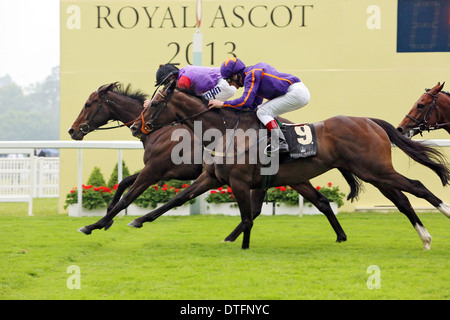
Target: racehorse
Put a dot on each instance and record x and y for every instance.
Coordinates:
(430, 112)
(361, 146)
(113, 102)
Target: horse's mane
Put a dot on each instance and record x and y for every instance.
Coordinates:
(444, 92)
(205, 101)
(192, 94)
(127, 91)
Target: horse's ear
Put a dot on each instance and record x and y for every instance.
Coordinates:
(104, 89)
(441, 86)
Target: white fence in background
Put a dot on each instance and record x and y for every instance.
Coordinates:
(16, 179)
(48, 176)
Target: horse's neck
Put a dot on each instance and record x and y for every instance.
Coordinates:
(125, 108)
(227, 118)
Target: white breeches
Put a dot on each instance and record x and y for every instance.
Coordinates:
(295, 98)
(222, 91)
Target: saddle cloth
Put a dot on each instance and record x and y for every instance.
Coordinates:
(301, 139)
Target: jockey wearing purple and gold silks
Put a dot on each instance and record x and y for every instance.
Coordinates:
(285, 92)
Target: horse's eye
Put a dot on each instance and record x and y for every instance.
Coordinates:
(420, 106)
(87, 105)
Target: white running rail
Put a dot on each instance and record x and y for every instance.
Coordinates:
(29, 146)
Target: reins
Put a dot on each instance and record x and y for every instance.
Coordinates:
(148, 127)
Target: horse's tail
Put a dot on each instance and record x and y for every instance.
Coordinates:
(354, 182)
(418, 151)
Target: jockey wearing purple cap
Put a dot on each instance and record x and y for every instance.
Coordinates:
(285, 92)
(204, 81)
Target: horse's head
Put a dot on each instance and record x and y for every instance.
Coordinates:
(158, 113)
(93, 115)
(423, 114)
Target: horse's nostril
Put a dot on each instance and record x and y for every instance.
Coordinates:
(71, 131)
(400, 129)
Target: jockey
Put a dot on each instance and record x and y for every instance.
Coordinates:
(285, 93)
(202, 81)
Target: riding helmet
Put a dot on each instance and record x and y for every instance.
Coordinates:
(230, 67)
(164, 72)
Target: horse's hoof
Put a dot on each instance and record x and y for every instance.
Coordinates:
(108, 225)
(135, 224)
(85, 230)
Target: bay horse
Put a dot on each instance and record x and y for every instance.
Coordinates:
(430, 112)
(115, 102)
(361, 146)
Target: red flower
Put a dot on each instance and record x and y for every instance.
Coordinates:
(213, 191)
(229, 190)
(220, 188)
(330, 184)
(223, 192)
(116, 186)
(185, 185)
(318, 188)
(164, 188)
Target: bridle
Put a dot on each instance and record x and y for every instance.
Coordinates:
(149, 127)
(85, 127)
(423, 124)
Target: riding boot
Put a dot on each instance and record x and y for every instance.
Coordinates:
(282, 145)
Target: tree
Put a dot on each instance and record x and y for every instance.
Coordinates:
(30, 116)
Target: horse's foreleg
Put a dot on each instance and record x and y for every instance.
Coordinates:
(142, 182)
(123, 185)
(202, 184)
(323, 204)
(257, 199)
(242, 193)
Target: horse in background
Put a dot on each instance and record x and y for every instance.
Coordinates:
(430, 112)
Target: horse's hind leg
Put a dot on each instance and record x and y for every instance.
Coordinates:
(416, 188)
(403, 204)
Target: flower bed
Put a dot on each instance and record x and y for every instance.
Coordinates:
(93, 197)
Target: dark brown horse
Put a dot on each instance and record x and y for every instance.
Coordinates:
(114, 102)
(358, 145)
(430, 112)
